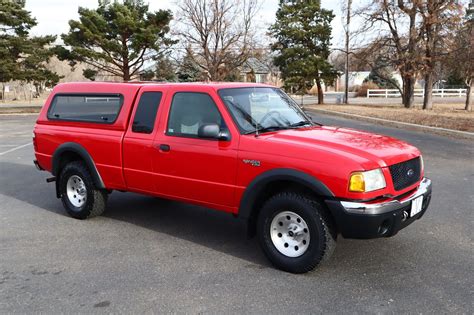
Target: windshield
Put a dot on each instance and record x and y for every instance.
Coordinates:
(262, 108)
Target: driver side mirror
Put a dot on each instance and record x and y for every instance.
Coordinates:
(213, 131)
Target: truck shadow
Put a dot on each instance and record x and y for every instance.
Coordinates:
(214, 229)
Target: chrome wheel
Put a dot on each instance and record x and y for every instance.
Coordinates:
(290, 234)
(76, 191)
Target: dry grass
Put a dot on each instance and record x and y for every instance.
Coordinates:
(450, 116)
(20, 110)
(34, 101)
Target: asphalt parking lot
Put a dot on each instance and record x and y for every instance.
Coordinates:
(151, 255)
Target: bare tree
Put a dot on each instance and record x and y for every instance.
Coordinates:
(220, 33)
(470, 56)
(438, 19)
(460, 60)
(378, 57)
(396, 22)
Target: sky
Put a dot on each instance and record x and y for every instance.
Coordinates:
(53, 15)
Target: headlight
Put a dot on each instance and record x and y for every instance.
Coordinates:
(367, 181)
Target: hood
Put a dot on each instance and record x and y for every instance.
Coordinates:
(370, 150)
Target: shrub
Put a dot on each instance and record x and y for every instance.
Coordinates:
(362, 92)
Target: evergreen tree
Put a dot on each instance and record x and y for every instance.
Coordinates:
(117, 38)
(382, 75)
(189, 71)
(22, 57)
(165, 70)
(303, 33)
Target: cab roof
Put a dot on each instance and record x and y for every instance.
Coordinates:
(214, 85)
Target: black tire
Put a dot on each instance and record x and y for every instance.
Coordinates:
(96, 200)
(322, 232)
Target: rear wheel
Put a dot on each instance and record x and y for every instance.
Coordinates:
(79, 196)
(295, 232)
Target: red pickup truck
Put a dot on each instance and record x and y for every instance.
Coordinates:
(247, 149)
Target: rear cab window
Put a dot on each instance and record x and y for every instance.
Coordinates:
(146, 112)
(95, 108)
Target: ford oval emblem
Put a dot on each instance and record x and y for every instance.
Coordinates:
(410, 172)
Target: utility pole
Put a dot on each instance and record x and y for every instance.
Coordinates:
(346, 70)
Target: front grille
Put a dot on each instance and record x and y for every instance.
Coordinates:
(405, 173)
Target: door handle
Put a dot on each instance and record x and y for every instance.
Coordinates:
(164, 147)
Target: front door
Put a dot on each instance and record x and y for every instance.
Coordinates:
(192, 168)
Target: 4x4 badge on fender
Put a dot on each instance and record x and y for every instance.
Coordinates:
(251, 162)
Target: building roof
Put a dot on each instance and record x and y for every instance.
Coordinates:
(259, 66)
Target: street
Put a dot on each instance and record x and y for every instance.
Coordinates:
(156, 256)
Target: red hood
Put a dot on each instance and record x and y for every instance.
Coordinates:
(365, 147)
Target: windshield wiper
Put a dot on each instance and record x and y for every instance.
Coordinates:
(257, 131)
(244, 114)
(280, 127)
(301, 123)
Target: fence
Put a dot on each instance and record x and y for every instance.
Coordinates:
(386, 93)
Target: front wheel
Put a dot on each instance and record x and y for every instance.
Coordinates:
(79, 196)
(295, 232)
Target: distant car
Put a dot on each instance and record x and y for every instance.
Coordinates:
(246, 149)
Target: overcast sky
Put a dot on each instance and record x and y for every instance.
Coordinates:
(53, 15)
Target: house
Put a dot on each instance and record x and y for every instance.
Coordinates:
(261, 70)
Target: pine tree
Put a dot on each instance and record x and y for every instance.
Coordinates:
(117, 38)
(165, 70)
(22, 57)
(188, 70)
(303, 33)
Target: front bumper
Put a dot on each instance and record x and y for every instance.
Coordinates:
(379, 219)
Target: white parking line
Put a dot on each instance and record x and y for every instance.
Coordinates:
(14, 149)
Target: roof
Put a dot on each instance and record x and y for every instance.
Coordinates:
(259, 66)
(215, 85)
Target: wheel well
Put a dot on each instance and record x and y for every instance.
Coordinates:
(275, 187)
(66, 158)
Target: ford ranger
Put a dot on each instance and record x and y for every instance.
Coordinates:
(246, 149)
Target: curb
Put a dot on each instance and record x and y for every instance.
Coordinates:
(399, 123)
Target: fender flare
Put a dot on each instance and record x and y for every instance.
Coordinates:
(86, 157)
(261, 181)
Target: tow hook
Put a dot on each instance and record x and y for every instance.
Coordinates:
(51, 179)
(404, 215)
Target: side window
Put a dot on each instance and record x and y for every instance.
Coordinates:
(98, 108)
(145, 114)
(189, 111)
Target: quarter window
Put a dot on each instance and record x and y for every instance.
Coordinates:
(146, 112)
(189, 111)
(99, 108)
